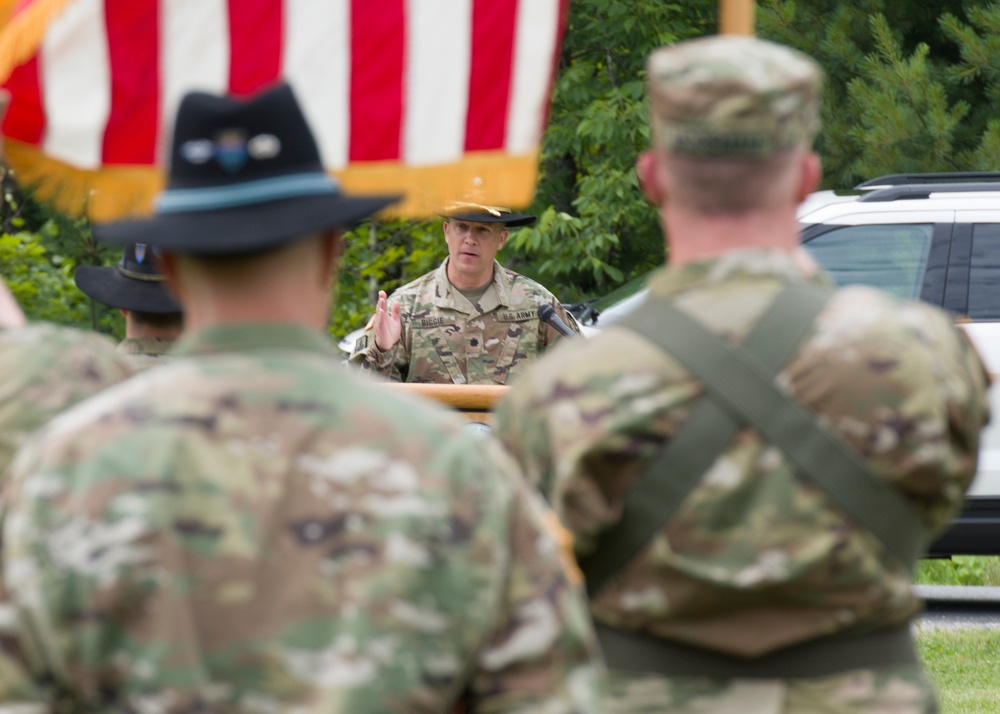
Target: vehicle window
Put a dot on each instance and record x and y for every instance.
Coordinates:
(890, 257)
(984, 272)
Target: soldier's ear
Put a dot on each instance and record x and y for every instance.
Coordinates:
(810, 174)
(503, 238)
(646, 171)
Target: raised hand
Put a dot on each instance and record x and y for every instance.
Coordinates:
(387, 326)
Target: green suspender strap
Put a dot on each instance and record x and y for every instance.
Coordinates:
(740, 391)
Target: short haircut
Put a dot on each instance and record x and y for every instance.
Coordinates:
(728, 186)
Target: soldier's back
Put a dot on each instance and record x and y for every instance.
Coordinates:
(756, 558)
(263, 531)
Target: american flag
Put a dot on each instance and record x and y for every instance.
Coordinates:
(422, 96)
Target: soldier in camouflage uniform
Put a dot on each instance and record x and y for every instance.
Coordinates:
(471, 321)
(762, 585)
(251, 528)
(153, 319)
(45, 369)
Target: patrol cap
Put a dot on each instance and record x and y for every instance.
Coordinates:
(732, 96)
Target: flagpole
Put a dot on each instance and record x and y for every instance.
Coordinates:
(736, 17)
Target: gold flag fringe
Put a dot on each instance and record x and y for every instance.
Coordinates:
(22, 34)
(118, 192)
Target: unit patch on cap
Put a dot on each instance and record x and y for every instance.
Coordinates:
(231, 148)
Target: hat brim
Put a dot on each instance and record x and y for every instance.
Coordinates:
(244, 229)
(511, 220)
(108, 286)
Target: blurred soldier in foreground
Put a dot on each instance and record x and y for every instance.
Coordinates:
(471, 321)
(153, 319)
(752, 462)
(44, 369)
(250, 527)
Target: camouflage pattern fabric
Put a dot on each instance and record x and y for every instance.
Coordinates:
(46, 368)
(447, 339)
(899, 690)
(251, 528)
(756, 559)
(145, 351)
(729, 96)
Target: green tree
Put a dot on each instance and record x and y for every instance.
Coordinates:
(911, 86)
(39, 250)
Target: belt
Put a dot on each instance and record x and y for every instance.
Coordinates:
(639, 652)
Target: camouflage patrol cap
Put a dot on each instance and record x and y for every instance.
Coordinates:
(732, 96)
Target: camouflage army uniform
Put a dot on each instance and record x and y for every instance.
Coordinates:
(250, 529)
(756, 559)
(45, 369)
(145, 351)
(445, 338)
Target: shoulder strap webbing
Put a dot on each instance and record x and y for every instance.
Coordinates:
(677, 468)
(746, 391)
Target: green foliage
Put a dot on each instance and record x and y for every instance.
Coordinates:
(39, 250)
(959, 570)
(911, 86)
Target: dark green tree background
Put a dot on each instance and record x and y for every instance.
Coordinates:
(912, 85)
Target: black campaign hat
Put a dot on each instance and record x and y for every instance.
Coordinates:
(133, 284)
(479, 213)
(245, 175)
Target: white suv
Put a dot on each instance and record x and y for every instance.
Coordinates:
(933, 237)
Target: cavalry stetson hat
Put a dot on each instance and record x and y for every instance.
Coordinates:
(479, 213)
(245, 175)
(133, 284)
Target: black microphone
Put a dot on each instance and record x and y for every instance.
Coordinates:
(547, 313)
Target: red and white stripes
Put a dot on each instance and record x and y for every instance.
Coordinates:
(419, 82)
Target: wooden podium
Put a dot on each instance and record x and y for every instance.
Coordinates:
(474, 401)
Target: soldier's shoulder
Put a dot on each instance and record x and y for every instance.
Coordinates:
(912, 343)
(54, 353)
(859, 313)
(49, 336)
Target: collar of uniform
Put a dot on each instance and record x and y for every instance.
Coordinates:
(253, 336)
(449, 297)
(145, 346)
(750, 263)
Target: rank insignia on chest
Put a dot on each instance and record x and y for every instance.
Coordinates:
(516, 315)
(426, 322)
